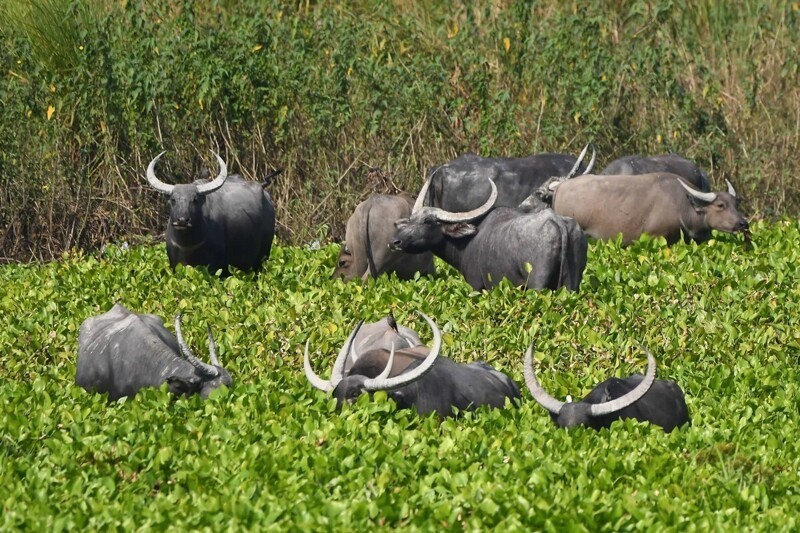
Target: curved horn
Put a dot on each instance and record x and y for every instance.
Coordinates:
(407, 378)
(341, 360)
(447, 216)
(624, 401)
(574, 170)
(731, 190)
(707, 197)
(319, 383)
(211, 186)
(204, 368)
(388, 369)
(591, 163)
(539, 394)
(420, 201)
(156, 183)
(212, 348)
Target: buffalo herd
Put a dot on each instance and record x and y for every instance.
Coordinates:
(523, 219)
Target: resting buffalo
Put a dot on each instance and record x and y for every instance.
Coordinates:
(674, 164)
(415, 377)
(120, 352)
(227, 222)
(658, 204)
(381, 335)
(461, 185)
(366, 252)
(643, 398)
(535, 250)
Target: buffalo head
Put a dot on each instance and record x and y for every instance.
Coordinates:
(208, 377)
(718, 208)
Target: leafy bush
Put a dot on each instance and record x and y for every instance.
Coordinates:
(272, 452)
(351, 96)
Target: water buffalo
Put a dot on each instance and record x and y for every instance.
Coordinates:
(381, 335)
(672, 163)
(535, 250)
(225, 222)
(416, 377)
(366, 252)
(461, 185)
(120, 352)
(659, 204)
(644, 398)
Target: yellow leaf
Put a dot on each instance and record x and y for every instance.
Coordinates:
(453, 32)
(50, 111)
(257, 47)
(506, 43)
(52, 88)
(658, 138)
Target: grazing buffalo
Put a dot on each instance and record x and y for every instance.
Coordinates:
(659, 204)
(674, 164)
(120, 352)
(535, 250)
(461, 185)
(225, 222)
(416, 377)
(644, 398)
(366, 252)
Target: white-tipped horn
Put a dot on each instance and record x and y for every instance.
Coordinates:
(624, 401)
(591, 163)
(204, 368)
(388, 370)
(449, 217)
(212, 347)
(420, 201)
(731, 190)
(337, 374)
(319, 383)
(706, 197)
(218, 181)
(539, 394)
(574, 170)
(411, 376)
(156, 183)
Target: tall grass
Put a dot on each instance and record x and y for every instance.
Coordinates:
(350, 97)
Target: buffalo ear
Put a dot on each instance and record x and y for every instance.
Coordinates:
(459, 230)
(183, 386)
(698, 204)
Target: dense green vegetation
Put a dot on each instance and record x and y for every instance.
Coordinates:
(721, 319)
(354, 96)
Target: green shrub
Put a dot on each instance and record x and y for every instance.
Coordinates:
(272, 452)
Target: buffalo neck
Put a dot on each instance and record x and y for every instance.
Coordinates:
(453, 251)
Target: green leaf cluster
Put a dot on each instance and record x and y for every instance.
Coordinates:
(272, 452)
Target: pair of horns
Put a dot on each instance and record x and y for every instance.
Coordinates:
(204, 368)
(450, 217)
(382, 381)
(707, 197)
(204, 188)
(574, 171)
(554, 406)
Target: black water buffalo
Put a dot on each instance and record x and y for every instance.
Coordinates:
(366, 252)
(461, 185)
(227, 222)
(121, 352)
(644, 398)
(535, 250)
(658, 204)
(416, 377)
(672, 163)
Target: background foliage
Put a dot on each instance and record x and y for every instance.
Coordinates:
(351, 97)
(721, 319)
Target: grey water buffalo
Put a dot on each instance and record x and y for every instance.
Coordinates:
(658, 204)
(121, 352)
(672, 163)
(381, 335)
(416, 377)
(643, 398)
(534, 250)
(366, 253)
(222, 223)
(461, 184)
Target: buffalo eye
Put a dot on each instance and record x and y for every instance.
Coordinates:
(720, 205)
(172, 201)
(342, 263)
